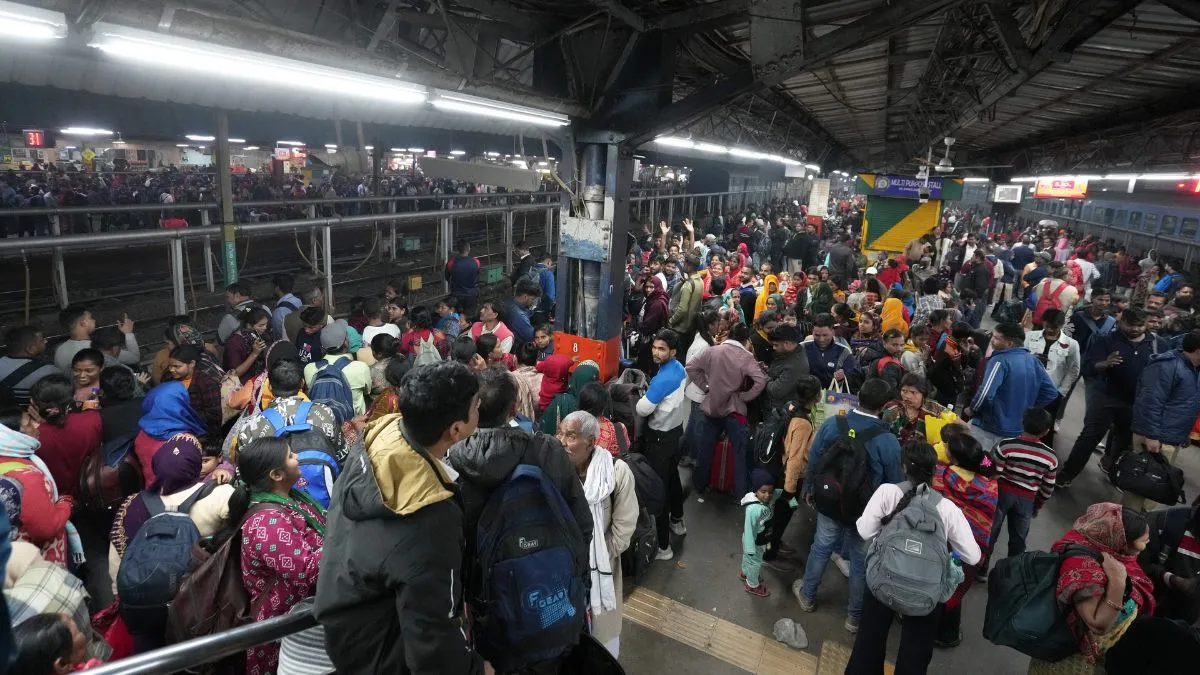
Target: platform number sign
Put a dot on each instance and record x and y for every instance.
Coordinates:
(35, 138)
(575, 347)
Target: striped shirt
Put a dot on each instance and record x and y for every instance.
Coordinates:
(1026, 467)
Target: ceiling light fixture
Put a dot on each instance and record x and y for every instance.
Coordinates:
(198, 137)
(297, 144)
(21, 22)
(236, 140)
(370, 147)
(331, 146)
(458, 153)
(181, 145)
(250, 147)
(673, 142)
(209, 60)
(416, 149)
(711, 147)
(493, 154)
(483, 107)
(976, 179)
(84, 131)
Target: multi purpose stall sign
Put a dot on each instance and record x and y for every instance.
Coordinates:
(907, 187)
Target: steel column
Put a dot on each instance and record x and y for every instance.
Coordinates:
(60, 265)
(508, 240)
(205, 221)
(670, 210)
(225, 191)
(392, 245)
(177, 276)
(327, 243)
(314, 258)
(446, 233)
(549, 233)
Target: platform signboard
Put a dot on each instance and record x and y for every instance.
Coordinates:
(818, 198)
(908, 187)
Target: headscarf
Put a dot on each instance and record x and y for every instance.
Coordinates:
(893, 316)
(770, 287)
(822, 298)
(176, 465)
(1101, 529)
(17, 445)
(167, 411)
(568, 402)
(185, 334)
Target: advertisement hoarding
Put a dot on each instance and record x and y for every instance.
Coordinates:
(1061, 188)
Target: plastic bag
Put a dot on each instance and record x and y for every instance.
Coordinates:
(791, 634)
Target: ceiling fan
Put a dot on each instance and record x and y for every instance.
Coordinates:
(945, 165)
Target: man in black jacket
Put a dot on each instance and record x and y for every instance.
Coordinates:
(486, 459)
(843, 267)
(788, 366)
(390, 593)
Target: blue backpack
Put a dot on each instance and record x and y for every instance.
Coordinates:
(532, 562)
(156, 561)
(331, 388)
(318, 467)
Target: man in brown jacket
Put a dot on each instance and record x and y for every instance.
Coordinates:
(731, 377)
(686, 305)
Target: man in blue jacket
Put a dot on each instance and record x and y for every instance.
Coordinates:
(545, 270)
(462, 271)
(1013, 382)
(519, 309)
(1167, 402)
(883, 466)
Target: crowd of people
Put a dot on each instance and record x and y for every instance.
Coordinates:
(485, 497)
(54, 187)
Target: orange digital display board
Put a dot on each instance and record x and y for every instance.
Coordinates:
(1062, 188)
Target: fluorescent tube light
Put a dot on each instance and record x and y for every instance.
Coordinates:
(198, 137)
(748, 154)
(976, 179)
(493, 154)
(84, 131)
(298, 144)
(416, 149)
(214, 61)
(458, 153)
(250, 147)
(675, 142)
(370, 147)
(181, 145)
(1164, 176)
(711, 147)
(22, 22)
(472, 105)
(237, 140)
(331, 146)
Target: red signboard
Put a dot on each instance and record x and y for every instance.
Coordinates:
(35, 138)
(1063, 188)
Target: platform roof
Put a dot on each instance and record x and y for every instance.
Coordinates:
(1043, 85)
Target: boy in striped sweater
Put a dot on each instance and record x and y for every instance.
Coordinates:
(1025, 472)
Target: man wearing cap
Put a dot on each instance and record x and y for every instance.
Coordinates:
(1013, 382)
(789, 364)
(358, 375)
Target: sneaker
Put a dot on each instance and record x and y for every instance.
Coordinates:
(779, 565)
(982, 577)
(759, 590)
(664, 554)
(851, 625)
(948, 644)
(843, 565)
(806, 605)
(678, 527)
(1062, 485)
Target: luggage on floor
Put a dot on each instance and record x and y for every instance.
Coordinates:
(642, 547)
(1150, 475)
(724, 469)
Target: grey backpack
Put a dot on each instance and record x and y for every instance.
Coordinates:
(908, 562)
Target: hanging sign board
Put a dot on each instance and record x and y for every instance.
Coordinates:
(1064, 188)
(818, 198)
(908, 187)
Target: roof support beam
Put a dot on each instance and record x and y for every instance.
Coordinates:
(731, 11)
(1010, 36)
(386, 23)
(1076, 23)
(622, 13)
(1188, 8)
(875, 26)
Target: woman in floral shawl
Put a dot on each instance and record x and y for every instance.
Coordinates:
(1101, 598)
(969, 482)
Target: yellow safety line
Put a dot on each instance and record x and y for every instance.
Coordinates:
(729, 642)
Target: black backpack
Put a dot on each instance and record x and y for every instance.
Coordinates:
(841, 481)
(1022, 608)
(768, 438)
(625, 392)
(651, 493)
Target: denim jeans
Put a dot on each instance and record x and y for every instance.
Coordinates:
(825, 542)
(708, 429)
(1019, 511)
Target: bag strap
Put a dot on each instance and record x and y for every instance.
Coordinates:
(205, 490)
(14, 378)
(1056, 293)
(622, 445)
(154, 503)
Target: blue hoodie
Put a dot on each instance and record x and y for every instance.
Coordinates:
(1168, 396)
(1013, 382)
(549, 289)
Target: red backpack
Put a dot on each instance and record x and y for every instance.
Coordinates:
(883, 361)
(1048, 300)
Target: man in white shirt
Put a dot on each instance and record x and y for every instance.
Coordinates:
(1059, 353)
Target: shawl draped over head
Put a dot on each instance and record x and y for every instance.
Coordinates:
(893, 316)
(770, 287)
(1101, 529)
(167, 411)
(568, 402)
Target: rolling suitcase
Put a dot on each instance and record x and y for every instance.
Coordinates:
(721, 476)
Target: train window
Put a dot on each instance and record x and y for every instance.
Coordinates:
(1168, 224)
(1108, 216)
(1119, 219)
(1151, 222)
(1135, 220)
(1189, 227)
(1087, 212)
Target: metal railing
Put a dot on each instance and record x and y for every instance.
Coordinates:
(320, 229)
(210, 648)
